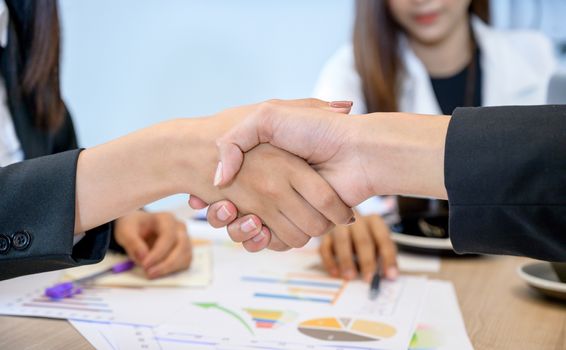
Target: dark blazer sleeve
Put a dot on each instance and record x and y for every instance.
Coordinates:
(37, 218)
(505, 173)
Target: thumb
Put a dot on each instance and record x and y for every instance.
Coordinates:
(289, 125)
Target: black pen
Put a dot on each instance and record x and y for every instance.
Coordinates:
(374, 285)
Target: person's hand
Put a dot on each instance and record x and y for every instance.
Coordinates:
(351, 250)
(359, 156)
(312, 133)
(286, 193)
(157, 242)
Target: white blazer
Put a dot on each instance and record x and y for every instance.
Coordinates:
(516, 69)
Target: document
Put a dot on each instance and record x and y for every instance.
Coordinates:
(262, 300)
(439, 327)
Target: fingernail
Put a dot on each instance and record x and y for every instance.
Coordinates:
(352, 220)
(349, 274)
(258, 237)
(392, 273)
(341, 104)
(223, 213)
(248, 225)
(218, 174)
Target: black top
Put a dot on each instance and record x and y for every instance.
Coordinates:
(451, 92)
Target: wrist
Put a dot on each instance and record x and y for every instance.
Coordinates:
(190, 155)
(403, 153)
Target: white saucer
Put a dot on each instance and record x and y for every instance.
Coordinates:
(541, 276)
(424, 243)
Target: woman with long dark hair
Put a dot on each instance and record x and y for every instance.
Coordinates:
(35, 122)
(427, 57)
(52, 193)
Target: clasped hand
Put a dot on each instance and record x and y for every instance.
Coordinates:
(277, 199)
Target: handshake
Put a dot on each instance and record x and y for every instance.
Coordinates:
(276, 173)
(292, 170)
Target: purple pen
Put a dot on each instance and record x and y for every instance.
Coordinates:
(68, 289)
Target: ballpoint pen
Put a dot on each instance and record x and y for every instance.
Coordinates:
(68, 289)
(375, 282)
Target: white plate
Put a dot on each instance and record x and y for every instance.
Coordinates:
(422, 242)
(542, 277)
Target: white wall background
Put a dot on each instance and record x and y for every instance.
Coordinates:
(131, 63)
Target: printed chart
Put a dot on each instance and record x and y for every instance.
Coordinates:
(89, 305)
(296, 287)
(271, 319)
(346, 329)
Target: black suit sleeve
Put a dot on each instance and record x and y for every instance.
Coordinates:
(505, 173)
(37, 218)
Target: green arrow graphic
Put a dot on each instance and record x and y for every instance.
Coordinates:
(225, 310)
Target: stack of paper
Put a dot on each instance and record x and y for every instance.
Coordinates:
(264, 300)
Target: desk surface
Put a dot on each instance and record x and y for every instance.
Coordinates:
(500, 312)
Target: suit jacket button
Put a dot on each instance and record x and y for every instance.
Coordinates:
(4, 244)
(21, 240)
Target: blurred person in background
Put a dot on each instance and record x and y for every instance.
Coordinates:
(426, 57)
(58, 201)
(35, 122)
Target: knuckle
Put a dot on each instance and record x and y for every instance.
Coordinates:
(318, 228)
(270, 188)
(344, 258)
(313, 102)
(301, 241)
(265, 108)
(327, 199)
(363, 240)
(278, 246)
(366, 259)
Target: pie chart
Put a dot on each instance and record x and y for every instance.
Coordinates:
(346, 329)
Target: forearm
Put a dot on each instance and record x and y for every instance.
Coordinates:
(177, 156)
(122, 175)
(403, 153)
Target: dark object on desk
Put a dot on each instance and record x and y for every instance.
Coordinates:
(560, 269)
(422, 226)
(542, 277)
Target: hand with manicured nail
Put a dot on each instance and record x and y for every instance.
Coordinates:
(286, 193)
(314, 134)
(293, 201)
(157, 242)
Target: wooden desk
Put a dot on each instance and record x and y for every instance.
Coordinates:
(499, 310)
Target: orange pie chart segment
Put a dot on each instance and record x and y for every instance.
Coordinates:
(346, 329)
